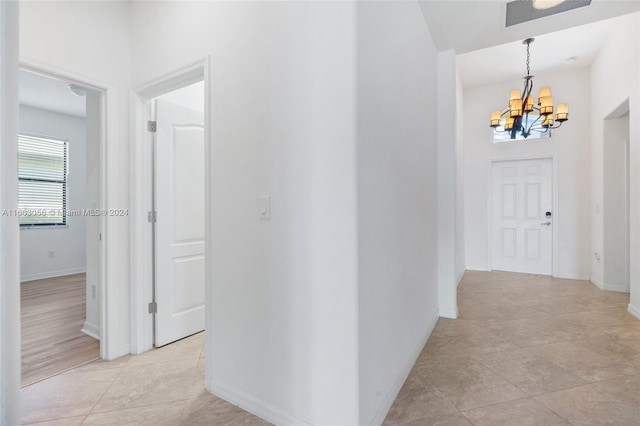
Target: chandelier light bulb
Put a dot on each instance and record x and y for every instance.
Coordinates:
(516, 108)
(546, 105)
(563, 112)
(528, 105)
(544, 91)
(495, 118)
(508, 125)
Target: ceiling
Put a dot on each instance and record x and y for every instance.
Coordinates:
(489, 52)
(468, 25)
(549, 53)
(42, 92)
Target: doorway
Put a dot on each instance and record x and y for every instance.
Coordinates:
(178, 214)
(169, 220)
(59, 193)
(522, 216)
(615, 206)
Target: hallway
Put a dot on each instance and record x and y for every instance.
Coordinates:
(526, 350)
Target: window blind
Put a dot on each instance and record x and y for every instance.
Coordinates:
(42, 181)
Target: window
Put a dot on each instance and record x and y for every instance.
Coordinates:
(538, 132)
(42, 181)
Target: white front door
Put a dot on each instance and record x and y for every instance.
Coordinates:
(179, 228)
(522, 216)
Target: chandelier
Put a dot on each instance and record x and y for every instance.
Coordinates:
(523, 116)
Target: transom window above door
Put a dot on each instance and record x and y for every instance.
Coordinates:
(499, 137)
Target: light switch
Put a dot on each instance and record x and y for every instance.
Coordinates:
(264, 212)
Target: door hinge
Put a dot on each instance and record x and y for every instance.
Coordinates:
(100, 236)
(151, 126)
(152, 216)
(153, 307)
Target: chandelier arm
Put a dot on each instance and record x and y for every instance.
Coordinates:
(536, 120)
(555, 127)
(544, 129)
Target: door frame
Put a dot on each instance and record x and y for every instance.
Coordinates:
(141, 233)
(9, 232)
(556, 206)
(108, 111)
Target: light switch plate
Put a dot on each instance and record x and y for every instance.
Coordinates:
(264, 207)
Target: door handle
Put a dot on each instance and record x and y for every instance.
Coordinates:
(546, 223)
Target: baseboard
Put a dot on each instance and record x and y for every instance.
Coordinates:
(616, 289)
(120, 352)
(603, 286)
(91, 330)
(449, 313)
(404, 372)
(52, 274)
(634, 311)
(478, 269)
(574, 277)
(460, 276)
(597, 283)
(254, 406)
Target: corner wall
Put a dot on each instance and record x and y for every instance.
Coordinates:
(615, 208)
(397, 198)
(283, 309)
(447, 131)
(614, 80)
(460, 263)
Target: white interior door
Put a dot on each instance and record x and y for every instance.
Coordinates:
(179, 227)
(521, 231)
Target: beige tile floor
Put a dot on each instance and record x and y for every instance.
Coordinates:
(526, 350)
(161, 387)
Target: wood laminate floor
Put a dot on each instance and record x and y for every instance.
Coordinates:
(52, 315)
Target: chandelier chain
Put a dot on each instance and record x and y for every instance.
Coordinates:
(528, 68)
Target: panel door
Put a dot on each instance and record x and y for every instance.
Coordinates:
(521, 230)
(179, 228)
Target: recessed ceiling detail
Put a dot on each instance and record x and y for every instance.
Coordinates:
(520, 11)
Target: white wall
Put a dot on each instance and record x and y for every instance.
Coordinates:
(9, 234)
(397, 191)
(614, 206)
(570, 144)
(92, 235)
(66, 37)
(460, 262)
(284, 291)
(446, 165)
(614, 80)
(67, 242)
